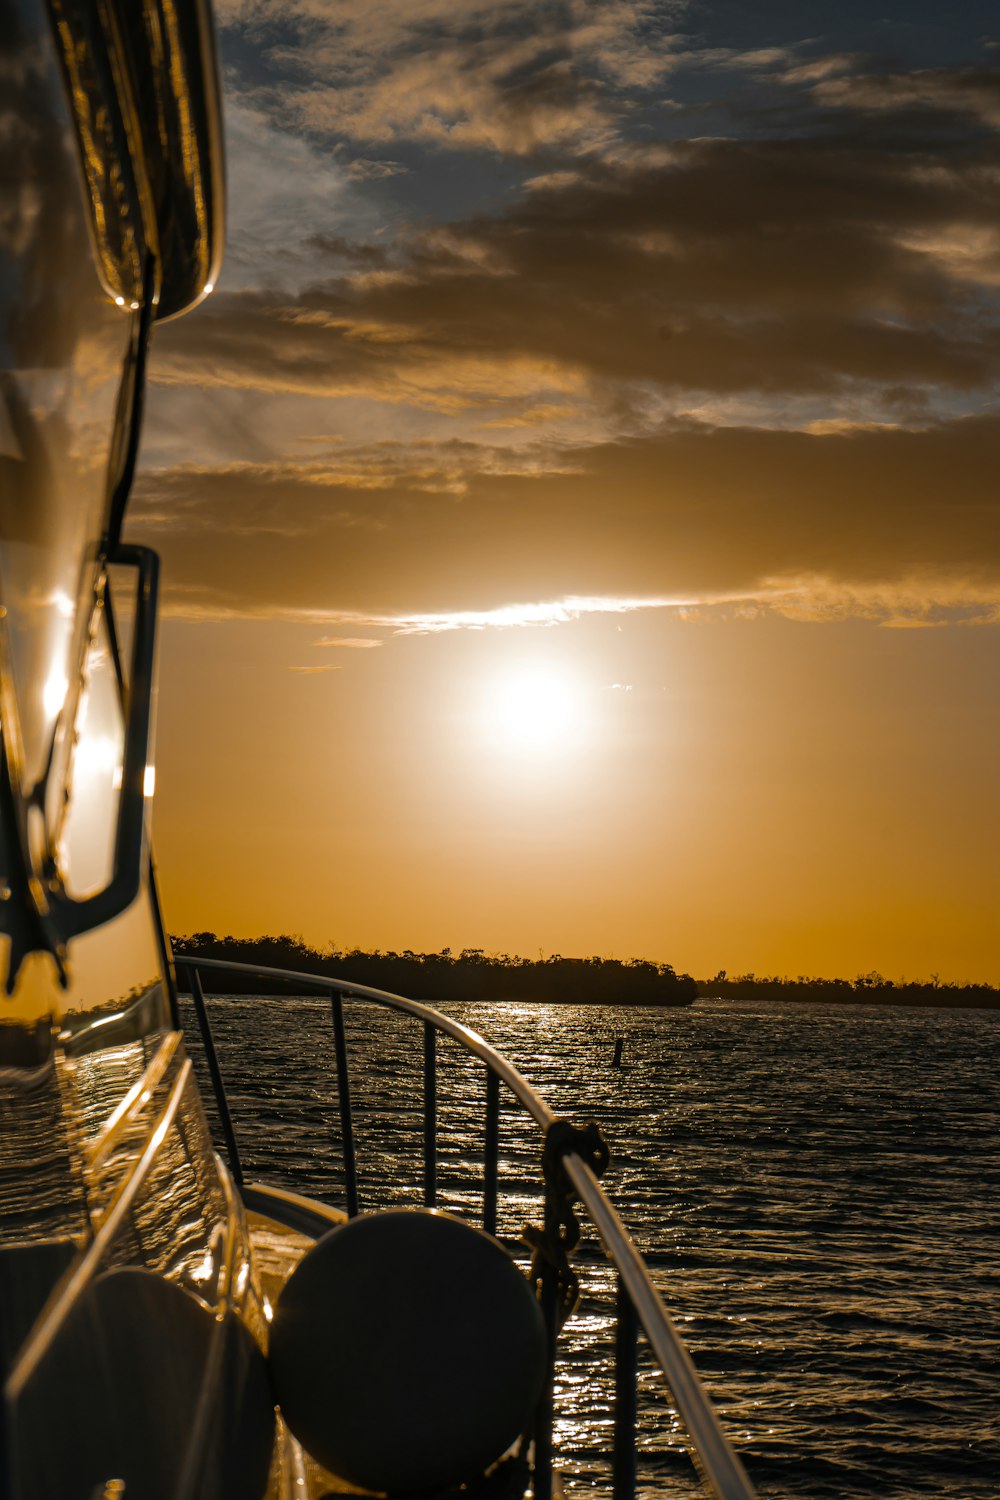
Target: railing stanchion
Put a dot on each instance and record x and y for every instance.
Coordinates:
(215, 1073)
(541, 1473)
(344, 1097)
(430, 1115)
(491, 1151)
(626, 1371)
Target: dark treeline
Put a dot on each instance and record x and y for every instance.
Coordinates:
(469, 975)
(866, 989)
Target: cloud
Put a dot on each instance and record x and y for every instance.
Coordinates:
(714, 373)
(818, 69)
(514, 616)
(449, 97)
(356, 643)
(508, 76)
(855, 518)
(970, 92)
(808, 269)
(361, 169)
(276, 181)
(962, 251)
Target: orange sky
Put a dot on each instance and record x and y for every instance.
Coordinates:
(657, 351)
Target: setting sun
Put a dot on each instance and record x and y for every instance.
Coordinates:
(539, 711)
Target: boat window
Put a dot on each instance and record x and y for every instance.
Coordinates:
(93, 787)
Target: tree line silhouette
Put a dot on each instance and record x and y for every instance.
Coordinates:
(866, 989)
(474, 974)
(471, 974)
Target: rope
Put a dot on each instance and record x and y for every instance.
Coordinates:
(553, 1243)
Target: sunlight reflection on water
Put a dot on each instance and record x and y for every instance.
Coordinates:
(815, 1190)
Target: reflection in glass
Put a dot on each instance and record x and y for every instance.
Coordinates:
(64, 349)
(86, 849)
(41, 1181)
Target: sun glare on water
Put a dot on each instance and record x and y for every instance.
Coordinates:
(536, 713)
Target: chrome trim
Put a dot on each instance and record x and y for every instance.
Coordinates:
(142, 83)
(101, 98)
(171, 49)
(133, 1102)
(305, 1215)
(59, 1305)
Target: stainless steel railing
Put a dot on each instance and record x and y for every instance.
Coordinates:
(638, 1302)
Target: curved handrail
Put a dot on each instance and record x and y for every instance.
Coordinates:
(716, 1459)
(471, 1040)
(66, 1292)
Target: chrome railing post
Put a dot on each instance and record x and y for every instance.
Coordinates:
(344, 1098)
(491, 1151)
(541, 1473)
(215, 1072)
(626, 1351)
(430, 1115)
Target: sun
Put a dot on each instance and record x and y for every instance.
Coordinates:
(536, 712)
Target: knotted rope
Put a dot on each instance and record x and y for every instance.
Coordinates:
(554, 1242)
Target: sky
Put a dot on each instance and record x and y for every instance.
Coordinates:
(578, 499)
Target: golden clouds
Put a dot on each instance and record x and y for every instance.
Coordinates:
(875, 522)
(509, 77)
(663, 368)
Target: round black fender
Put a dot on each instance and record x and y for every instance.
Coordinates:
(407, 1351)
(144, 1385)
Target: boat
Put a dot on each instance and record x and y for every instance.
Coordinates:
(169, 1329)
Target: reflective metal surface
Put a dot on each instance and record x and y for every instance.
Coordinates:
(142, 81)
(110, 156)
(66, 353)
(129, 1308)
(170, 45)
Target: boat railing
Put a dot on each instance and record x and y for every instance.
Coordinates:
(637, 1303)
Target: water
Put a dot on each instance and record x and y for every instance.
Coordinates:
(814, 1189)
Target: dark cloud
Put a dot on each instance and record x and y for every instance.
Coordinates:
(559, 347)
(694, 514)
(954, 96)
(781, 267)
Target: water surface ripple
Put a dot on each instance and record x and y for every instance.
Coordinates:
(815, 1190)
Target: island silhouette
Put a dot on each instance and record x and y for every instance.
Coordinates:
(471, 974)
(475, 975)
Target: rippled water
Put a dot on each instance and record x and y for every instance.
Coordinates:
(815, 1191)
